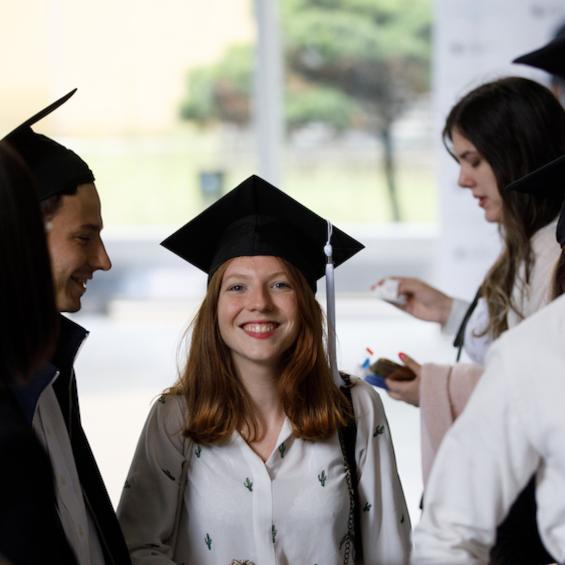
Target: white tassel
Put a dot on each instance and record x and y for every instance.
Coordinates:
(330, 308)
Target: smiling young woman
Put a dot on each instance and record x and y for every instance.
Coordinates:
(248, 452)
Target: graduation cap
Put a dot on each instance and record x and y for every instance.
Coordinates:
(56, 169)
(549, 58)
(256, 218)
(543, 181)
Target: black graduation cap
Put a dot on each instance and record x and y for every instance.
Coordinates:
(550, 57)
(543, 181)
(256, 218)
(56, 169)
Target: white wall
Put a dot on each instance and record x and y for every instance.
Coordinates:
(475, 40)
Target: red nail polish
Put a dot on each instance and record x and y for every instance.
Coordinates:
(402, 356)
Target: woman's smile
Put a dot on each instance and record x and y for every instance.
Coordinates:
(260, 329)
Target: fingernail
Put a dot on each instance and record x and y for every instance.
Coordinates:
(402, 356)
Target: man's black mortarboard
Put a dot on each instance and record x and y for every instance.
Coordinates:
(255, 218)
(548, 179)
(550, 57)
(56, 169)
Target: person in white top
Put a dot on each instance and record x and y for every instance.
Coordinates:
(513, 427)
(498, 132)
(251, 457)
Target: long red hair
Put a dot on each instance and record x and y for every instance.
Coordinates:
(217, 402)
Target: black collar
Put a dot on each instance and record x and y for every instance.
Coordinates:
(71, 336)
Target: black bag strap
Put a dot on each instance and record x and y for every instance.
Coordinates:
(459, 340)
(347, 438)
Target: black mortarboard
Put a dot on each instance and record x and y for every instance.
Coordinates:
(256, 218)
(546, 180)
(550, 57)
(56, 169)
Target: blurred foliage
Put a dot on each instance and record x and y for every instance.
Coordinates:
(221, 92)
(163, 173)
(377, 52)
(319, 104)
(350, 64)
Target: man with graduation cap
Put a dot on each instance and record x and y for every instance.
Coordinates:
(71, 211)
(512, 428)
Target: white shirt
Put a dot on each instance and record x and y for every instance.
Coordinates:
(513, 426)
(528, 298)
(290, 510)
(79, 528)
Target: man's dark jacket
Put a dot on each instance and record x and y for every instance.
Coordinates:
(30, 528)
(94, 492)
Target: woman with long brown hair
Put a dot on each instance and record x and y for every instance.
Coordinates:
(255, 455)
(498, 133)
(512, 427)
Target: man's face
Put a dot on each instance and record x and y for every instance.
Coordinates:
(75, 246)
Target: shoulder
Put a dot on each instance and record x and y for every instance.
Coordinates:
(544, 244)
(167, 418)
(367, 403)
(530, 345)
(547, 326)
(373, 431)
(13, 427)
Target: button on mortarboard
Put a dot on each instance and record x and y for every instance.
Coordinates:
(256, 218)
(56, 169)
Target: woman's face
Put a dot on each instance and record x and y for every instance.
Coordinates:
(257, 311)
(477, 175)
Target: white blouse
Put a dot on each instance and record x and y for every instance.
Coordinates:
(529, 298)
(513, 426)
(292, 509)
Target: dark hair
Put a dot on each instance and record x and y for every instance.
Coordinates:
(50, 206)
(517, 125)
(27, 300)
(217, 401)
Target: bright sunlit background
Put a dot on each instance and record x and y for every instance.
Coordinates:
(334, 101)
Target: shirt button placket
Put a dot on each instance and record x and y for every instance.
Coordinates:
(263, 514)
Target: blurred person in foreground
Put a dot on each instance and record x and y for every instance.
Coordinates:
(71, 212)
(513, 427)
(30, 531)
